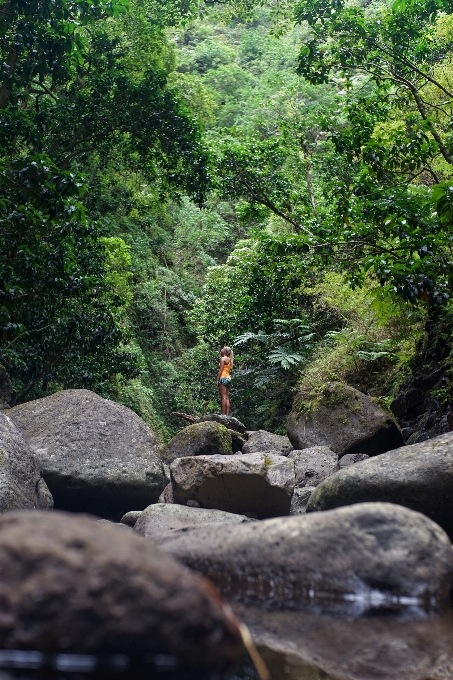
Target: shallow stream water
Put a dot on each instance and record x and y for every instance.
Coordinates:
(351, 642)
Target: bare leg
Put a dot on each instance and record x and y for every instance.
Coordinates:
(224, 394)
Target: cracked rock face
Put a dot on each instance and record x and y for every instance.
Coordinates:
(73, 584)
(97, 456)
(344, 419)
(418, 476)
(21, 484)
(285, 562)
(258, 483)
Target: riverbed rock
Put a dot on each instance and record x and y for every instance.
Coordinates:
(373, 551)
(158, 518)
(21, 483)
(418, 476)
(69, 583)
(199, 439)
(314, 464)
(299, 501)
(260, 483)
(352, 459)
(346, 420)
(260, 440)
(97, 456)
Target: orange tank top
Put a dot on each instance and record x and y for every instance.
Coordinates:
(226, 370)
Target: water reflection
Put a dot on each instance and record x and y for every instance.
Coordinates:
(308, 646)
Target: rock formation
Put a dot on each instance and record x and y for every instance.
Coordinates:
(418, 476)
(344, 419)
(256, 483)
(97, 456)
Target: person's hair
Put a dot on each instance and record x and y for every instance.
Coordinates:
(230, 354)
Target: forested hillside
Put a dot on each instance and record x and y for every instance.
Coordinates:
(177, 176)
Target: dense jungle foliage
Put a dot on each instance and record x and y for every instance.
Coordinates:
(275, 175)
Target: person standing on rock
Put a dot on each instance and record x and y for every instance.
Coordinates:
(224, 378)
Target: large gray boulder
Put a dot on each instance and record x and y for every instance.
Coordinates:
(375, 552)
(97, 456)
(260, 440)
(313, 465)
(199, 439)
(69, 583)
(258, 483)
(418, 476)
(21, 483)
(344, 419)
(158, 518)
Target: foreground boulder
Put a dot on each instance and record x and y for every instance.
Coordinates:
(21, 483)
(199, 439)
(260, 440)
(418, 476)
(370, 550)
(72, 584)
(257, 483)
(97, 456)
(313, 465)
(159, 518)
(344, 419)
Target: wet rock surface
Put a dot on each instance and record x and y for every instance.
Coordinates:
(343, 419)
(261, 440)
(371, 551)
(21, 484)
(314, 464)
(306, 646)
(199, 439)
(70, 583)
(97, 456)
(258, 483)
(419, 477)
(156, 519)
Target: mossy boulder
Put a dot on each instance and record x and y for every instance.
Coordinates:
(346, 420)
(200, 439)
(419, 477)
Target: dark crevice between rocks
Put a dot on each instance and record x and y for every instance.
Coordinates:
(423, 404)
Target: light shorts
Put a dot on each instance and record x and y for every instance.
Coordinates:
(225, 381)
